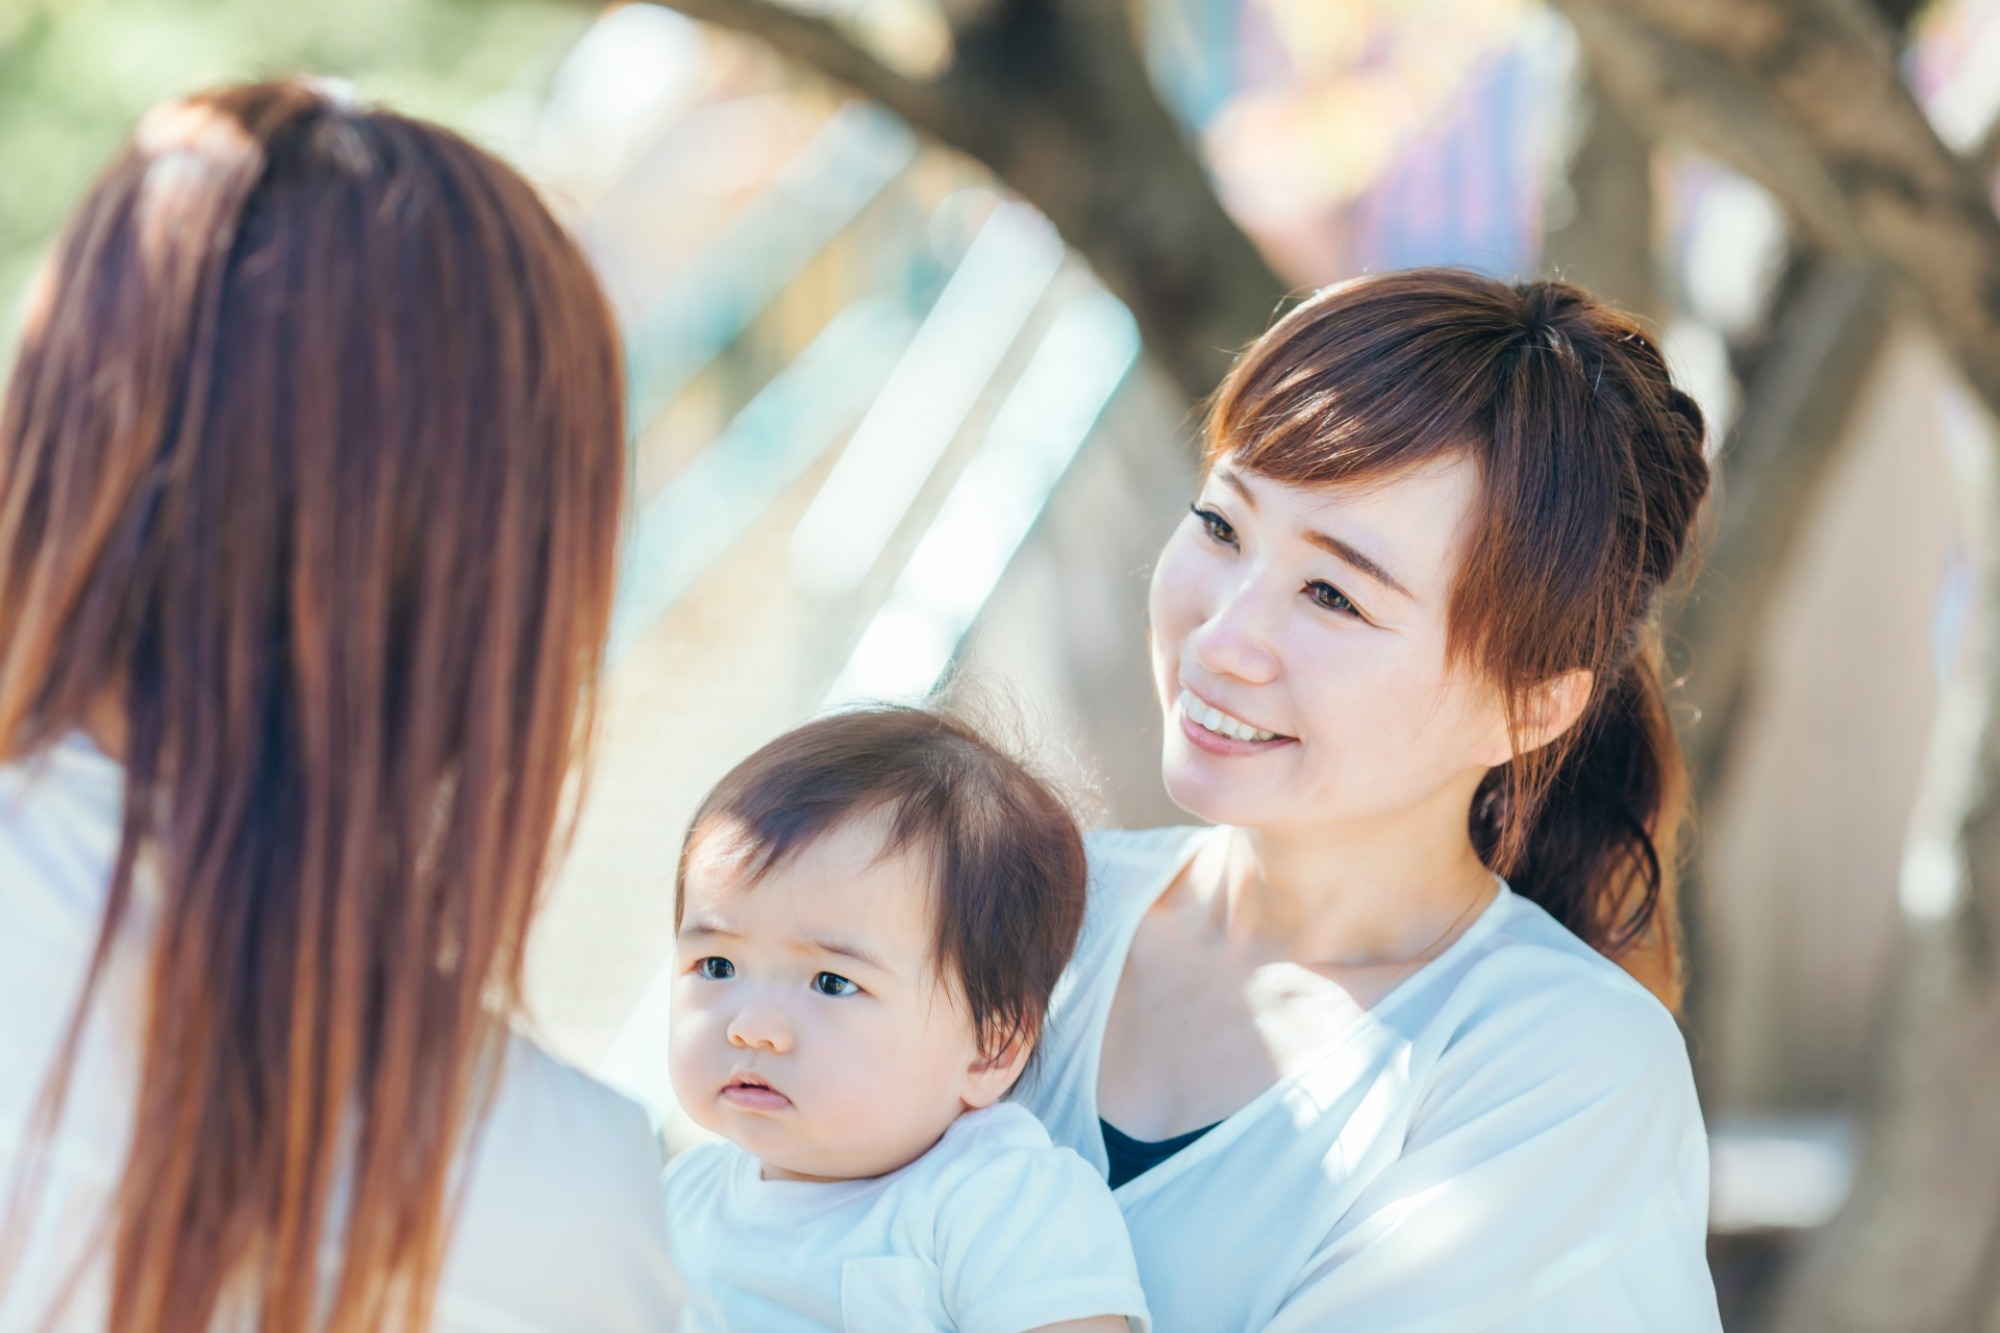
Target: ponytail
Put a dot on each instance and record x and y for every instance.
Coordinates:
(1601, 851)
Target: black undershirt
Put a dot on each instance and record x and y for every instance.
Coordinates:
(1130, 1157)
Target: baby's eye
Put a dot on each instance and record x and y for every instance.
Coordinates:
(715, 969)
(832, 983)
(1216, 525)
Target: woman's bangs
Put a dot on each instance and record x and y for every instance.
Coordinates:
(1331, 400)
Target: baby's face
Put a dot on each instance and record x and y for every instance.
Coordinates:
(810, 1024)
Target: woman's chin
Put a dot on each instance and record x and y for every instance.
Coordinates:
(1209, 796)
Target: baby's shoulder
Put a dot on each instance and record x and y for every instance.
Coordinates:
(1003, 1157)
(700, 1169)
(1003, 1142)
(997, 1169)
(977, 1137)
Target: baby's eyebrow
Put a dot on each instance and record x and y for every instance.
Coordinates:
(846, 949)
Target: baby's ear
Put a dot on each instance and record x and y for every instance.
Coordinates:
(992, 1073)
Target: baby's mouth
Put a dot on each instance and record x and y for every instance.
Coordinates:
(752, 1093)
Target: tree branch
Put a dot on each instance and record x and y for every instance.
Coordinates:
(1986, 156)
(1053, 96)
(818, 44)
(1805, 96)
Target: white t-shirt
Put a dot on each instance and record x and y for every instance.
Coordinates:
(994, 1230)
(1509, 1140)
(560, 1231)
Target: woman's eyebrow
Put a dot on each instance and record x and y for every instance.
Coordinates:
(1332, 545)
(1231, 479)
(1354, 556)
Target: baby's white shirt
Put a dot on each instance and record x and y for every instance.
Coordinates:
(994, 1230)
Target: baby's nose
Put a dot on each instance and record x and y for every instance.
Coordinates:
(760, 1027)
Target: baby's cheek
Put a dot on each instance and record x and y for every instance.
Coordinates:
(692, 1034)
(868, 1079)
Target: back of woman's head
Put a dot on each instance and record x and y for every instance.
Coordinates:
(1593, 472)
(310, 478)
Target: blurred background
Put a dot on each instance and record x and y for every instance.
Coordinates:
(921, 298)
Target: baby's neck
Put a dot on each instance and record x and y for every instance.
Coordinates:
(769, 1170)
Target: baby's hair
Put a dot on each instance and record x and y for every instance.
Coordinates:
(1010, 873)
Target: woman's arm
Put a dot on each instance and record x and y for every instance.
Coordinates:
(1104, 1323)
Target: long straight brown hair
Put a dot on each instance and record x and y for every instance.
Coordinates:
(1592, 477)
(311, 468)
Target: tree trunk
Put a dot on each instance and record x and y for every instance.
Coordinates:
(1604, 214)
(1830, 321)
(1917, 1250)
(1804, 95)
(1053, 96)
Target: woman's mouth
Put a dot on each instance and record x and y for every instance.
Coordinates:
(1217, 732)
(748, 1092)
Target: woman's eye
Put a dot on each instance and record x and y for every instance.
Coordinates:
(1216, 525)
(715, 969)
(1333, 599)
(832, 983)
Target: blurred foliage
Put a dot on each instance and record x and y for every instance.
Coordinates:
(76, 74)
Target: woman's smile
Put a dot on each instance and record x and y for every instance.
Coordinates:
(1213, 731)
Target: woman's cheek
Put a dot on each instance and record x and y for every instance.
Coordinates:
(1174, 600)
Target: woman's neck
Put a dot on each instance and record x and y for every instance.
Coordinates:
(1389, 890)
(107, 728)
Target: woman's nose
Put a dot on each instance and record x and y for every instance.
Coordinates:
(1235, 638)
(760, 1026)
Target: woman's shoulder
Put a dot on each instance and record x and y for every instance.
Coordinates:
(1531, 996)
(563, 1178)
(555, 1126)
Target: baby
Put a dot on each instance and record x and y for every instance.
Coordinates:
(872, 911)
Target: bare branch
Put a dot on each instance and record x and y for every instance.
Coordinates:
(1898, 14)
(1805, 96)
(1053, 96)
(820, 45)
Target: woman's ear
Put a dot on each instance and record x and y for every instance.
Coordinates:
(1551, 708)
(990, 1075)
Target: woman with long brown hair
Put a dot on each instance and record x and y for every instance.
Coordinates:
(1339, 1072)
(310, 480)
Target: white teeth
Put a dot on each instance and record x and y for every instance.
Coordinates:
(1221, 723)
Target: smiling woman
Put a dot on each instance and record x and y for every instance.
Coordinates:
(1341, 1071)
